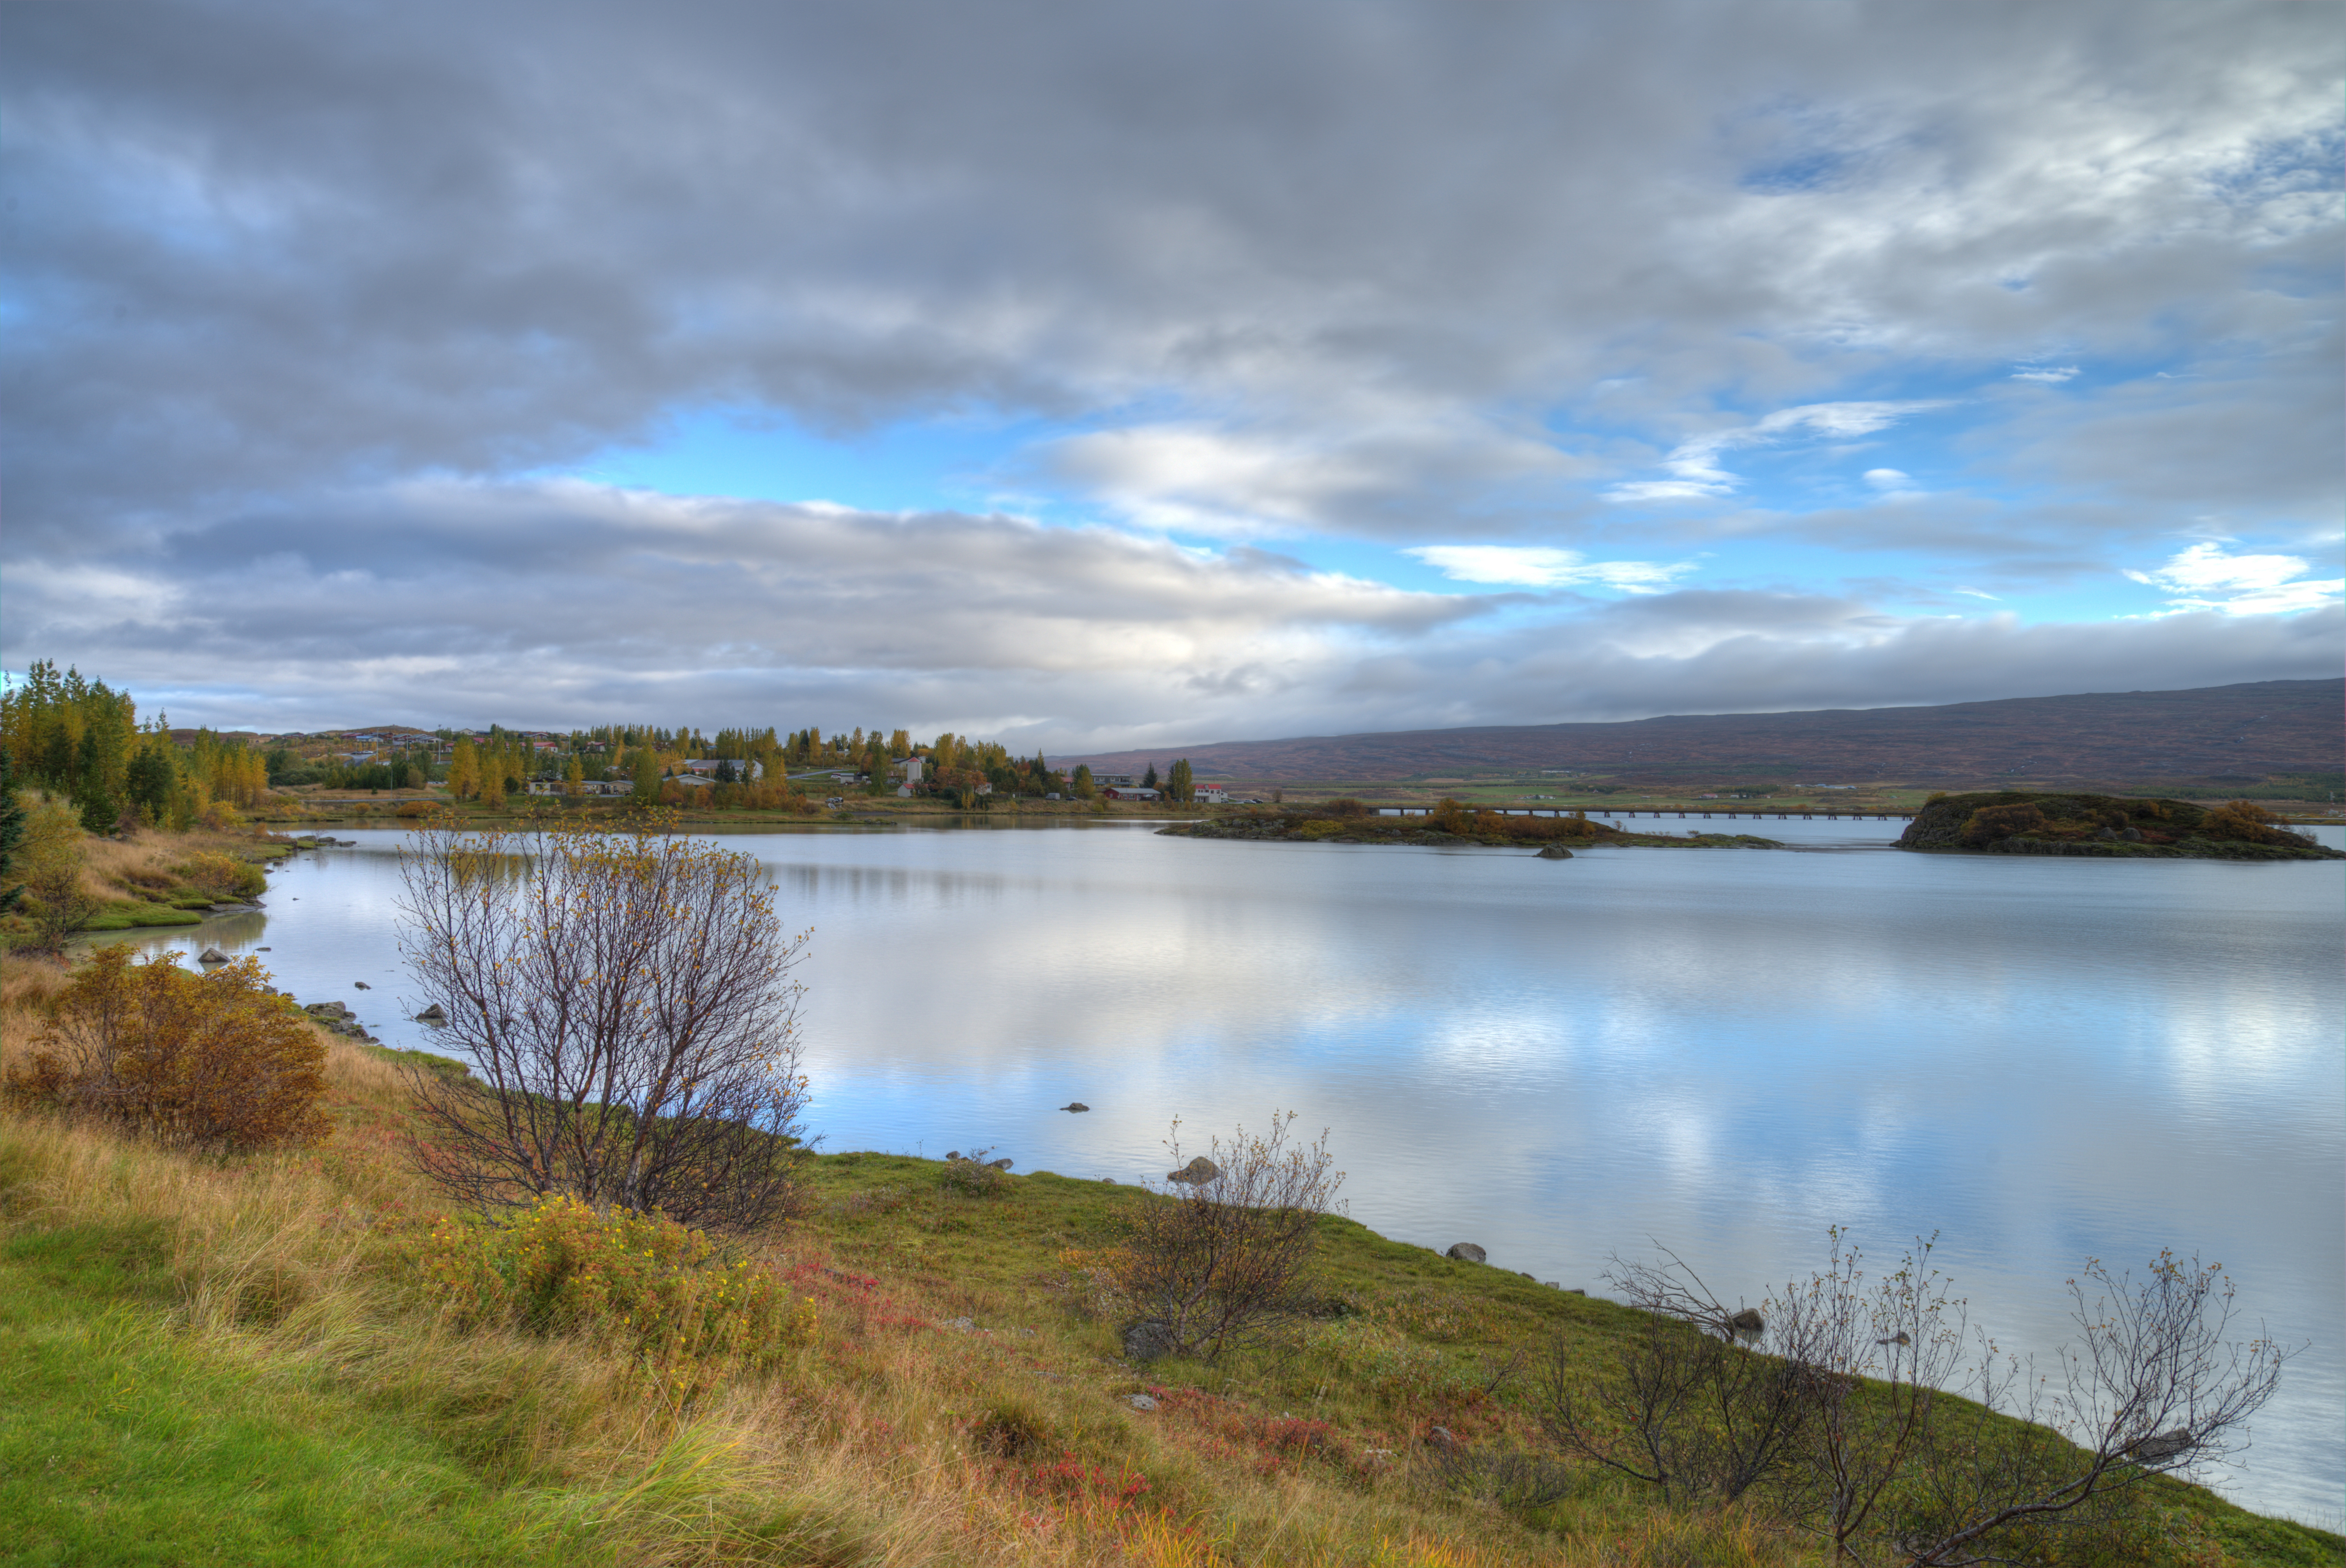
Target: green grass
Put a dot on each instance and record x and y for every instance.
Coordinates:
(128, 914)
(123, 1441)
(1406, 1335)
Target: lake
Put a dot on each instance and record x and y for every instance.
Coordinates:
(1720, 1052)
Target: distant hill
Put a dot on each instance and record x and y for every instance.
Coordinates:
(2215, 735)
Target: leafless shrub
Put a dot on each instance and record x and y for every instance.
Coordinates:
(2154, 1384)
(627, 1000)
(1226, 1261)
(1868, 1414)
(1690, 1408)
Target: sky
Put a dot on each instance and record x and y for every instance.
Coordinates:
(1103, 376)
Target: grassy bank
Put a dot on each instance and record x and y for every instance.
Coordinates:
(269, 1359)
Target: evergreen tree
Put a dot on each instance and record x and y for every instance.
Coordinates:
(1148, 780)
(12, 829)
(1179, 783)
(1082, 783)
(153, 777)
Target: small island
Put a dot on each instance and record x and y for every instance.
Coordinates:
(1348, 822)
(2020, 822)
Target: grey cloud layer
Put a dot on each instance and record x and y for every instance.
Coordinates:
(569, 603)
(1419, 273)
(257, 251)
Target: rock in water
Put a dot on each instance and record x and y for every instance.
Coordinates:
(1748, 1321)
(1467, 1252)
(1149, 1339)
(361, 985)
(432, 1014)
(212, 955)
(1000, 1165)
(1075, 1105)
(1555, 852)
(1197, 1173)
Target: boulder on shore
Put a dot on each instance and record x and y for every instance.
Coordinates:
(432, 1014)
(211, 955)
(1555, 852)
(1197, 1173)
(1467, 1252)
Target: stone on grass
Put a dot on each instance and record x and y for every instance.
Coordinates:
(1748, 1321)
(1140, 1401)
(1197, 1173)
(1467, 1252)
(1149, 1339)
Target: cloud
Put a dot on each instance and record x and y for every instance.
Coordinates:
(1887, 478)
(2204, 577)
(567, 602)
(1695, 464)
(2054, 374)
(293, 308)
(1541, 566)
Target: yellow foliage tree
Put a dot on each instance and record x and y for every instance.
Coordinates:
(464, 771)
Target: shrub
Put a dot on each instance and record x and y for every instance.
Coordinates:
(2245, 821)
(627, 1000)
(224, 876)
(212, 1062)
(1226, 1262)
(1991, 823)
(655, 1290)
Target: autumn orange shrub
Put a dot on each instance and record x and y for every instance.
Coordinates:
(2245, 821)
(1991, 823)
(212, 1062)
(655, 1291)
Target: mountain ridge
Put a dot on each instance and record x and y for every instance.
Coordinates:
(2239, 733)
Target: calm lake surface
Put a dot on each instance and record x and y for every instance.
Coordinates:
(1722, 1051)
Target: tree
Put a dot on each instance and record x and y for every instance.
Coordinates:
(1082, 784)
(646, 774)
(1148, 780)
(1225, 1261)
(627, 1000)
(1180, 784)
(213, 1062)
(12, 830)
(463, 772)
(153, 777)
(50, 858)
